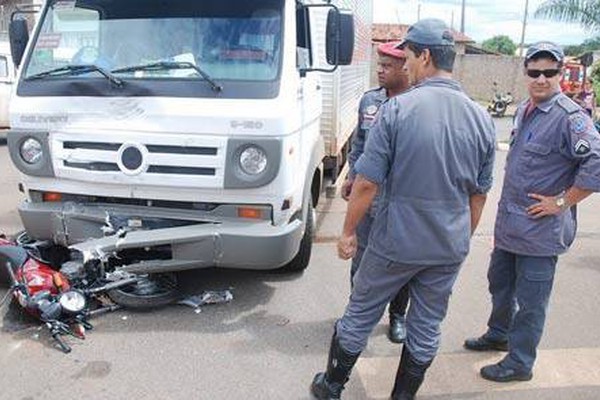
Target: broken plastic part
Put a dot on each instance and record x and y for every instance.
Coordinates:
(208, 297)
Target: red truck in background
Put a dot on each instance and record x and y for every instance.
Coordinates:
(573, 77)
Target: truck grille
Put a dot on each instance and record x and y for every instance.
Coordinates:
(183, 162)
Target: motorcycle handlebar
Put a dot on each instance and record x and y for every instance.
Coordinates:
(11, 273)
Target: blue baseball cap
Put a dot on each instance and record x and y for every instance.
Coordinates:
(545, 47)
(429, 32)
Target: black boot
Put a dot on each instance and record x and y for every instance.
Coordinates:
(397, 309)
(329, 385)
(409, 377)
(397, 329)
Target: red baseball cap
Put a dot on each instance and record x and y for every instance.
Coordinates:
(390, 49)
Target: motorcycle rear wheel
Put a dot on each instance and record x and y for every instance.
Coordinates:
(152, 291)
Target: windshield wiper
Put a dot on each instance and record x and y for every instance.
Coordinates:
(167, 65)
(72, 70)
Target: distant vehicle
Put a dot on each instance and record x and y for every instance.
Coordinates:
(499, 102)
(572, 79)
(7, 79)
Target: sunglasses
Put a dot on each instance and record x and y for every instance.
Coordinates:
(548, 73)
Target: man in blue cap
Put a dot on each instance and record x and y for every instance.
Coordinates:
(393, 80)
(553, 164)
(431, 150)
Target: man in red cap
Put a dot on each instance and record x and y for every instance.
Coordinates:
(393, 80)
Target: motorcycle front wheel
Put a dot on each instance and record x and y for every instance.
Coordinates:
(151, 291)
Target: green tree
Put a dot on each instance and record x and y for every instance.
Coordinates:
(500, 44)
(573, 50)
(583, 12)
(595, 77)
(587, 45)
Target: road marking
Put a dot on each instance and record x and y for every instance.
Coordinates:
(458, 373)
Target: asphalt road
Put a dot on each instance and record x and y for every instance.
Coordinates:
(271, 339)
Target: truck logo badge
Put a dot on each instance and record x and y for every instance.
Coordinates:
(132, 158)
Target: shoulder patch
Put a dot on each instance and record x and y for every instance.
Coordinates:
(579, 123)
(371, 110)
(568, 105)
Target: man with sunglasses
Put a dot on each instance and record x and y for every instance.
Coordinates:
(393, 80)
(431, 150)
(553, 164)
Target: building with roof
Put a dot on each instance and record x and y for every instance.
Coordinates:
(475, 68)
(391, 32)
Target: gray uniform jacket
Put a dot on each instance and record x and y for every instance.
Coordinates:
(434, 148)
(367, 110)
(555, 147)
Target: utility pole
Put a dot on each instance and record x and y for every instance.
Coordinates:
(524, 26)
(452, 21)
(462, 17)
(419, 11)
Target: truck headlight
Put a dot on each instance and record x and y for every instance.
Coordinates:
(253, 160)
(251, 163)
(31, 151)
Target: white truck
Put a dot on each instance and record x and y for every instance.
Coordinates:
(7, 80)
(189, 133)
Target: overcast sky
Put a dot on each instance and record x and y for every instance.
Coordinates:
(483, 19)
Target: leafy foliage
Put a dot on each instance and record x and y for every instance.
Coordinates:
(587, 45)
(595, 77)
(584, 12)
(500, 44)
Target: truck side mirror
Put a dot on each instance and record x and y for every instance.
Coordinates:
(340, 37)
(18, 35)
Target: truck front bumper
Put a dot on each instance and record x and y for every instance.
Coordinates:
(199, 243)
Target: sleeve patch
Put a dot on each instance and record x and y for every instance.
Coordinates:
(578, 124)
(582, 147)
(372, 110)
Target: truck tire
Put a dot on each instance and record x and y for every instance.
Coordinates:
(158, 290)
(301, 260)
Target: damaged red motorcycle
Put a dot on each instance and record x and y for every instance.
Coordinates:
(64, 287)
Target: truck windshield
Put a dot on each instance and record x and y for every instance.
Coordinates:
(216, 41)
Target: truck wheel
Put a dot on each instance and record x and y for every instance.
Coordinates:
(301, 260)
(155, 290)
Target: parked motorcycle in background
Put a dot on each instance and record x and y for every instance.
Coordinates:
(499, 102)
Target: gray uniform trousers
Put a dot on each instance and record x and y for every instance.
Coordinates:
(377, 282)
(399, 303)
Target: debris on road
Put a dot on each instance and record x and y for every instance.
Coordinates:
(207, 297)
